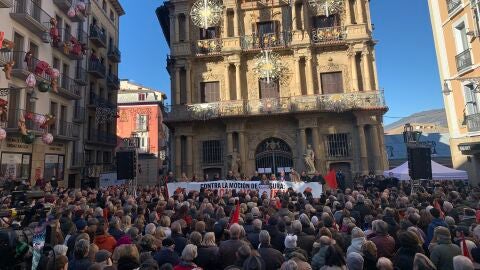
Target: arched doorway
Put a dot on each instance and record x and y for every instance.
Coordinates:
(272, 155)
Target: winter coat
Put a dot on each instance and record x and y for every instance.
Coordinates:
(207, 257)
(369, 262)
(227, 251)
(385, 245)
(106, 242)
(318, 260)
(82, 264)
(298, 255)
(356, 245)
(442, 254)
(166, 255)
(252, 237)
(431, 228)
(334, 268)
(305, 242)
(180, 242)
(403, 259)
(272, 257)
(116, 233)
(363, 210)
(186, 266)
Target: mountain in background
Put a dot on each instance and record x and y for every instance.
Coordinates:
(436, 118)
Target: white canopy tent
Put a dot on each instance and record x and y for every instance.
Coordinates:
(439, 172)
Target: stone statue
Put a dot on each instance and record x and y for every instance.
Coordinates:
(309, 159)
(235, 162)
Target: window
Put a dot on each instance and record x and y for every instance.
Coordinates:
(210, 33)
(476, 16)
(56, 63)
(142, 122)
(338, 146)
(461, 39)
(471, 104)
(54, 167)
(324, 21)
(269, 89)
(141, 96)
(266, 28)
(212, 152)
(210, 91)
(15, 166)
(107, 157)
(332, 82)
(33, 49)
(112, 16)
(104, 5)
(53, 111)
(88, 157)
(182, 29)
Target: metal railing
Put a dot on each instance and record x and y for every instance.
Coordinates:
(473, 122)
(453, 5)
(74, 48)
(81, 76)
(464, 60)
(327, 34)
(208, 46)
(31, 9)
(33, 121)
(69, 85)
(6, 3)
(96, 67)
(96, 135)
(268, 40)
(97, 35)
(313, 103)
(68, 129)
(28, 66)
(114, 53)
(113, 82)
(96, 100)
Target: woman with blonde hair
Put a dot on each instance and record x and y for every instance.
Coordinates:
(126, 222)
(207, 252)
(130, 250)
(189, 254)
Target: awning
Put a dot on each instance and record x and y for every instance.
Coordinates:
(439, 172)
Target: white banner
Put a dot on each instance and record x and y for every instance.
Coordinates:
(223, 186)
(110, 179)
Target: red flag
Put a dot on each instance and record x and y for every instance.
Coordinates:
(278, 204)
(236, 215)
(105, 214)
(465, 251)
(437, 205)
(331, 179)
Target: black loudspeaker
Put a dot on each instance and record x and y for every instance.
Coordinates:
(126, 164)
(419, 163)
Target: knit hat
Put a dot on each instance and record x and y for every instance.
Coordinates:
(442, 233)
(290, 241)
(354, 261)
(102, 255)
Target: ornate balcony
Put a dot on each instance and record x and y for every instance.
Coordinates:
(65, 6)
(23, 68)
(269, 40)
(97, 36)
(464, 60)
(79, 114)
(114, 54)
(68, 130)
(68, 44)
(33, 121)
(6, 3)
(328, 35)
(113, 83)
(453, 5)
(473, 122)
(81, 76)
(208, 46)
(97, 69)
(68, 88)
(315, 103)
(30, 15)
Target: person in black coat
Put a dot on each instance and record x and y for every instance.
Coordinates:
(272, 257)
(167, 254)
(252, 236)
(304, 241)
(178, 238)
(361, 208)
(409, 246)
(207, 253)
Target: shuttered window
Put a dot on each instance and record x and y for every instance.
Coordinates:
(470, 100)
(210, 91)
(212, 152)
(324, 21)
(269, 90)
(332, 82)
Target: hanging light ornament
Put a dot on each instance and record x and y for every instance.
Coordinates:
(326, 7)
(268, 65)
(30, 80)
(3, 134)
(47, 138)
(206, 13)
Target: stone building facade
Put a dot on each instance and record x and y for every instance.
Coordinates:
(225, 112)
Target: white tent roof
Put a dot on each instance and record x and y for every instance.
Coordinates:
(439, 172)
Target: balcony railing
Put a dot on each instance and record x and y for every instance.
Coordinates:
(464, 60)
(113, 83)
(327, 34)
(114, 54)
(33, 121)
(99, 136)
(473, 122)
(98, 101)
(69, 88)
(68, 130)
(81, 76)
(79, 114)
(70, 45)
(314, 103)
(453, 5)
(78, 159)
(268, 40)
(65, 6)
(97, 36)
(30, 15)
(97, 69)
(208, 46)
(23, 68)
(6, 3)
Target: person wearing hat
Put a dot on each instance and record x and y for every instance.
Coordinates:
(436, 221)
(103, 258)
(167, 253)
(442, 250)
(468, 218)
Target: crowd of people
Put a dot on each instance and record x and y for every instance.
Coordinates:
(375, 224)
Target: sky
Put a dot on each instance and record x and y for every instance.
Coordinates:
(405, 53)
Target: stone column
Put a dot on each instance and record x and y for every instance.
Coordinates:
(178, 156)
(187, 29)
(225, 23)
(353, 67)
(363, 149)
(303, 141)
(177, 29)
(243, 148)
(309, 75)
(383, 154)
(229, 143)
(188, 83)
(237, 81)
(227, 81)
(189, 158)
(377, 155)
(306, 18)
(177, 85)
(360, 17)
(319, 151)
(298, 90)
(294, 16)
(348, 15)
(366, 71)
(235, 22)
(173, 33)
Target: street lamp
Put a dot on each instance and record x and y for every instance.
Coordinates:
(474, 80)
